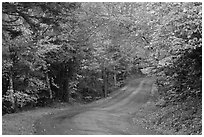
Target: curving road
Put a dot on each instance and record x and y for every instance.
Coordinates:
(110, 116)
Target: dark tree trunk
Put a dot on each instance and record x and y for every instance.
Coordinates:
(14, 58)
(105, 82)
(66, 94)
(11, 92)
(48, 85)
(115, 77)
(65, 83)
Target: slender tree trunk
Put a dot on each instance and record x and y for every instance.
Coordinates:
(115, 77)
(11, 83)
(104, 77)
(11, 92)
(66, 94)
(65, 85)
(68, 91)
(115, 80)
(48, 85)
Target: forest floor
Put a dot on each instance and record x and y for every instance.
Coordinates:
(122, 113)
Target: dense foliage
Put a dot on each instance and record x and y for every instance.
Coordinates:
(63, 51)
(183, 76)
(83, 51)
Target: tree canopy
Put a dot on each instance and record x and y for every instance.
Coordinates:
(83, 51)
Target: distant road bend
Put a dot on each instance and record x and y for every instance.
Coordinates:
(110, 116)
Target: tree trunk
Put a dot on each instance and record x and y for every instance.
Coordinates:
(105, 82)
(48, 85)
(66, 94)
(115, 80)
(115, 77)
(11, 92)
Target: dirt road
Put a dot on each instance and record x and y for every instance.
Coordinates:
(110, 116)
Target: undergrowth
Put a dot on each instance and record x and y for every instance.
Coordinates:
(181, 119)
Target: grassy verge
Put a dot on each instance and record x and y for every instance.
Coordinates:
(181, 119)
(22, 123)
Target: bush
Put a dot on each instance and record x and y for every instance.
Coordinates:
(183, 79)
(21, 100)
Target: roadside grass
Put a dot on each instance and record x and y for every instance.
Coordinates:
(22, 123)
(181, 119)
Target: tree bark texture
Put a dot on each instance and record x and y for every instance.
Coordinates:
(48, 85)
(105, 81)
(11, 93)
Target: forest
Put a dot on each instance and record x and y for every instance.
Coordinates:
(82, 52)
